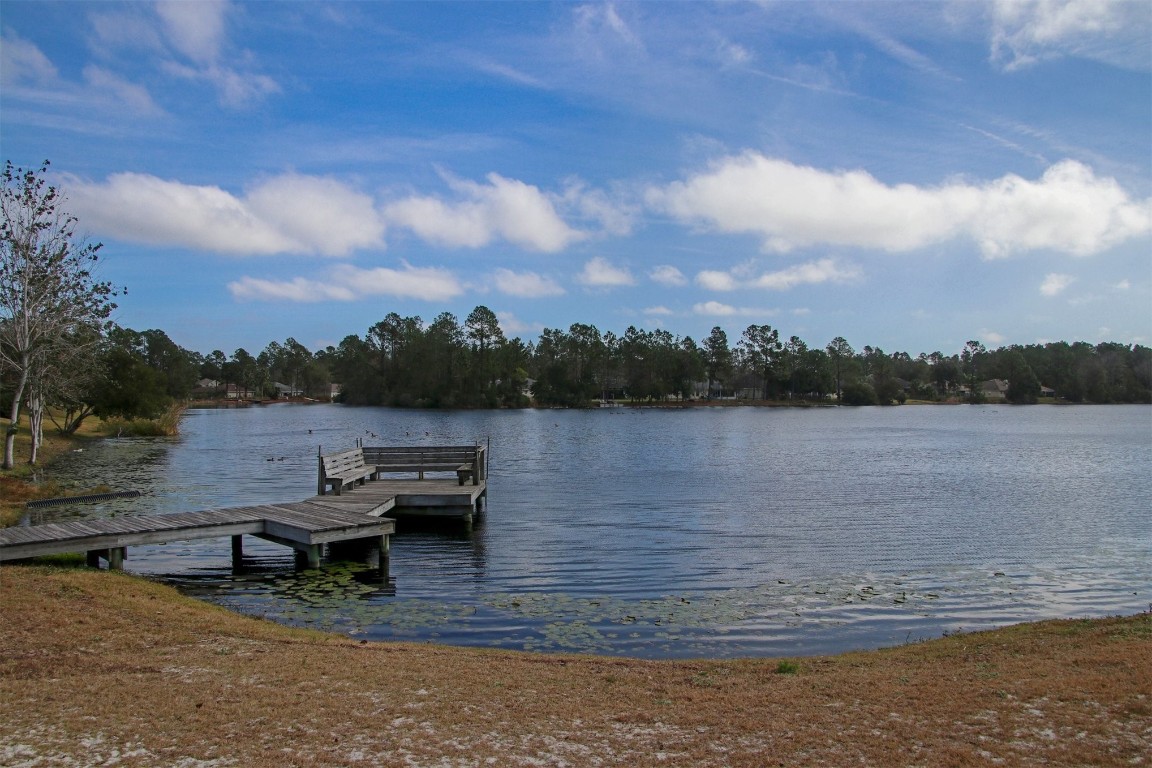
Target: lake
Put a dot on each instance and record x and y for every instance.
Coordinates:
(680, 532)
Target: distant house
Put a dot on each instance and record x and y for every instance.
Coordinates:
(236, 392)
(283, 390)
(206, 388)
(995, 389)
(1047, 392)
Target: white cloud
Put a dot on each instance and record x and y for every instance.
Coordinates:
(599, 273)
(507, 72)
(1025, 32)
(717, 309)
(1123, 285)
(714, 308)
(194, 29)
(236, 89)
(512, 325)
(715, 280)
(322, 214)
(612, 213)
(528, 285)
(25, 70)
(667, 275)
(815, 272)
(428, 283)
(285, 214)
(21, 62)
(134, 97)
(1069, 209)
(657, 311)
(503, 208)
(348, 283)
(992, 338)
(1055, 283)
(732, 54)
(811, 273)
(187, 40)
(197, 31)
(296, 290)
(130, 27)
(602, 27)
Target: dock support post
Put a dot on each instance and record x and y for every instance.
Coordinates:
(116, 558)
(385, 556)
(321, 486)
(237, 552)
(308, 556)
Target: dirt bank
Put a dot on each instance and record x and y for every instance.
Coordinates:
(105, 668)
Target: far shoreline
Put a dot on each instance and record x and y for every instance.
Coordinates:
(638, 405)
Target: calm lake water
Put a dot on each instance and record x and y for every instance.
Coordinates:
(681, 532)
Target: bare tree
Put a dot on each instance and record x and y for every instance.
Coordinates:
(47, 289)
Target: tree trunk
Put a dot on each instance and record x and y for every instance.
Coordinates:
(36, 421)
(14, 416)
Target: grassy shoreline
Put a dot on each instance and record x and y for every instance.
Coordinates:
(103, 668)
(25, 482)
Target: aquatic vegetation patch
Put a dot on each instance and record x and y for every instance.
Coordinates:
(782, 616)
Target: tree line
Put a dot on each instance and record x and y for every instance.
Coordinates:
(406, 362)
(61, 357)
(401, 361)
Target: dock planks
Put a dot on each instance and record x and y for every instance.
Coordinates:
(410, 498)
(303, 526)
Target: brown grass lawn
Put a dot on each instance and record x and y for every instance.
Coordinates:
(103, 668)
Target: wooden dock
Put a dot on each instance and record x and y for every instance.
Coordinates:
(356, 514)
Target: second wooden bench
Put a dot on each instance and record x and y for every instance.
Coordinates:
(466, 461)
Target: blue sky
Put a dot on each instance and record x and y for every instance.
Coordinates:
(905, 175)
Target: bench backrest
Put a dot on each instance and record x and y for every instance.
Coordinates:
(424, 455)
(335, 463)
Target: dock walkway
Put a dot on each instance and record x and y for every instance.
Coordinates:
(305, 526)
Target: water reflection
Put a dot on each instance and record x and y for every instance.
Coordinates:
(682, 532)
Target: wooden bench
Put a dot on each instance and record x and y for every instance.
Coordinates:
(346, 468)
(466, 461)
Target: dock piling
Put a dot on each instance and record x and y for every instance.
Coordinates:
(237, 552)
